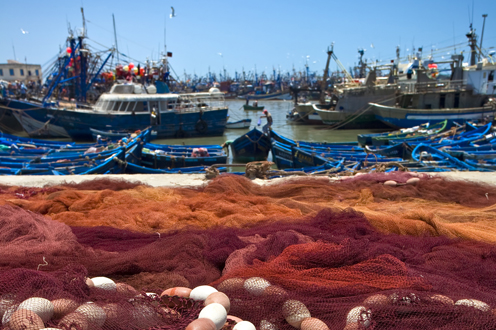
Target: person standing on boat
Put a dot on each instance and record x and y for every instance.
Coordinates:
(266, 114)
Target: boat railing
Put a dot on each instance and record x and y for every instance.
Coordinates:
(434, 86)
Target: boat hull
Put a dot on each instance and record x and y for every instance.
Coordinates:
(305, 114)
(77, 124)
(9, 119)
(252, 107)
(403, 118)
(345, 120)
(269, 96)
(252, 146)
(245, 123)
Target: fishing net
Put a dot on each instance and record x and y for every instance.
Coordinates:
(307, 253)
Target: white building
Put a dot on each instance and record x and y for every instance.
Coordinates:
(15, 70)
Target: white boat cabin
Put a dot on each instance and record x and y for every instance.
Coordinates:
(136, 98)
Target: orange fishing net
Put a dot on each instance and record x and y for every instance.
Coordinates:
(306, 253)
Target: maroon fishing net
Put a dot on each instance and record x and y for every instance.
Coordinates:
(305, 253)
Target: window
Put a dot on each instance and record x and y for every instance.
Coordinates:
(37, 72)
(29, 73)
(22, 72)
(1, 72)
(11, 71)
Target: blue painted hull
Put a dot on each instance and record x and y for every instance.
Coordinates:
(252, 146)
(77, 124)
(158, 161)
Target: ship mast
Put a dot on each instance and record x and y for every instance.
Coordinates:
(472, 42)
(326, 74)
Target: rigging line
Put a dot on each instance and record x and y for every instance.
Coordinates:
(120, 36)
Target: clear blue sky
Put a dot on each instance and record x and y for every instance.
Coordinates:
(261, 34)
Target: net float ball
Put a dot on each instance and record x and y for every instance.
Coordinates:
(74, 321)
(90, 283)
(234, 283)
(202, 292)
(6, 302)
(23, 319)
(377, 299)
(104, 283)
(234, 318)
(266, 325)
(201, 324)
(480, 305)
(177, 291)
(113, 312)
(41, 306)
(8, 313)
(390, 183)
(313, 323)
(125, 289)
(256, 285)
(63, 307)
(95, 314)
(219, 297)
(295, 312)
(275, 290)
(215, 312)
(244, 325)
(359, 314)
(413, 181)
(443, 299)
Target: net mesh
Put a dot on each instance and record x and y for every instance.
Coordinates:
(306, 253)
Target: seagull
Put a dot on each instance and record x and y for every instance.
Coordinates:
(24, 32)
(173, 14)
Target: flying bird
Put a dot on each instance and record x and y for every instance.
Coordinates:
(173, 14)
(24, 32)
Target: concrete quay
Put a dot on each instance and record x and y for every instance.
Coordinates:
(193, 180)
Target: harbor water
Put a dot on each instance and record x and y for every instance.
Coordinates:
(278, 110)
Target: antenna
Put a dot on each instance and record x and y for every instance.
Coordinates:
(482, 35)
(115, 38)
(84, 23)
(454, 41)
(13, 48)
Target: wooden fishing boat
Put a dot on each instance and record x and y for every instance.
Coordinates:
(421, 132)
(402, 150)
(111, 135)
(137, 169)
(425, 152)
(253, 107)
(243, 123)
(252, 146)
(181, 159)
(282, 139)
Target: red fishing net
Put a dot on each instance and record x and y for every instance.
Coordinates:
(306, 253)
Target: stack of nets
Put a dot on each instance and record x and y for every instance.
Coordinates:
(305, 253)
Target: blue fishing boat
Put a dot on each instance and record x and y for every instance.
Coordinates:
(137, 169)
(402, 150)
(126, 107)
(282, 155)
(282, 139)
(195, 157)
(110, 135)
(424, 152)
(252, 146)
